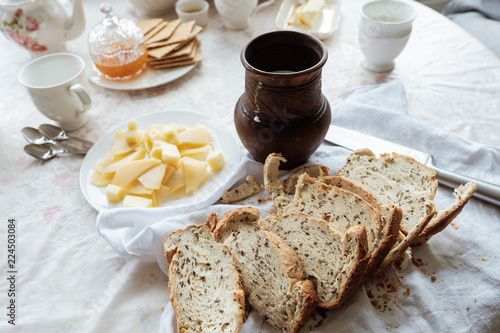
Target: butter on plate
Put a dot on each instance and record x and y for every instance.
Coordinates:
(308, 13)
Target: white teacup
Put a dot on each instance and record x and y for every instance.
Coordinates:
(59, 88)
(236, 14)
(196, 10)
(384, 30)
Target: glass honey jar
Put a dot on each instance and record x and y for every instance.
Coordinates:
(117, 46)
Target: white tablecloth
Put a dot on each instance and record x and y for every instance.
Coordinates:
(70, 280)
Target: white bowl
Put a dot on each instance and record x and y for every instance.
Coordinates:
(154, 7)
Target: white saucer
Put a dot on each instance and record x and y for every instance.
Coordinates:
(147, 79)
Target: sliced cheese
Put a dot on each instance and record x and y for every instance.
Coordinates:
(195, 173)
(199, 153)
(195, 137)
(99, 179)
(177, 180)
(134, 156)
(153, 178)
(137, 188)
(121, 146)
(128, 172)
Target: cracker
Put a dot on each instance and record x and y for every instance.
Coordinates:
(155, 30)
(181, 61)
(160, 52)
(148, 24)
(165, 33)
(182, 32)
(187, 49)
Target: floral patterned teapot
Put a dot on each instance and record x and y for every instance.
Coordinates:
(42, 26)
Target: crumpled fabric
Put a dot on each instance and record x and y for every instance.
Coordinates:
(451, 283)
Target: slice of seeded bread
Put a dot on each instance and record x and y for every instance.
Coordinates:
(335, 263)
(445, 216)
(204, 284)
(397, 180)
(340, 208)
(270, 271)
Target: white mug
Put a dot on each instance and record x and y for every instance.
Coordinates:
(384, 31)
(236, 14)
(59, 88)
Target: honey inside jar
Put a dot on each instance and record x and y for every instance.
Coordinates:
(123, 63)
(117, 46)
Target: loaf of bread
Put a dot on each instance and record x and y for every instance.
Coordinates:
(335, 263)
(204, 284)
(403, 182)
(270, 271)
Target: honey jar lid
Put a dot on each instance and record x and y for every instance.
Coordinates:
(114, 34)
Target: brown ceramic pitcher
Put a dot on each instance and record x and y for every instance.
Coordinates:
(283, 109)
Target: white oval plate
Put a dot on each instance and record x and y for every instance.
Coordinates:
(149, 78)
(222, 140)
(323, 29)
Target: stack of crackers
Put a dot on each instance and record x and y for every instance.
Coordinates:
(171, 44)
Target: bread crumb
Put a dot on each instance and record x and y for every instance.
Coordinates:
(454, 225)
(433, 278)
(387, 296)
(162, 308)
(407, 291)
(483, 259)
(467, 308)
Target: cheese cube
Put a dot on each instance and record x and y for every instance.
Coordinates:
(114, 193)
(135, 201)
(215, 160)
(170, 154)
(132, 136)
(170, 134)
(156, 153)
(132, 125)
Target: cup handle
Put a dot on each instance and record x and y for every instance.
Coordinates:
(264, 4)
(83, 95)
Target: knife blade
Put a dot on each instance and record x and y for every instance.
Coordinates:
(353, 140)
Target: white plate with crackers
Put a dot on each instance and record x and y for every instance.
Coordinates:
(221, 140)
(324, 27)
(173, 50)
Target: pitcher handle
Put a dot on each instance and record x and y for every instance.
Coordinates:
(264, 4)
(83, 95)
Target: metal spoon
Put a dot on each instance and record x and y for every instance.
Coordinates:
(44, 151)
(32, 135)
(57, 133)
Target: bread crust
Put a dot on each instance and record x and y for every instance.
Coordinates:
(272, 182)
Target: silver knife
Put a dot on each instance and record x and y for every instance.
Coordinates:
(353, 140)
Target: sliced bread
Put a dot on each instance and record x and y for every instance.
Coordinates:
(270, 272)
(342, 209)
(204, 284)
(401, 181)
(335, 263)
